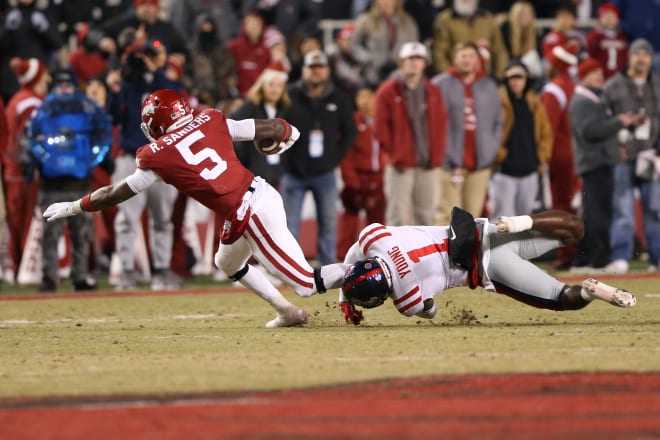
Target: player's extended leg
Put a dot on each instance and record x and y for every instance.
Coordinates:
(513, 275)
(232, 260)
(277, 250)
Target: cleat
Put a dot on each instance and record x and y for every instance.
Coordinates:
(617, 297)
(292, 317)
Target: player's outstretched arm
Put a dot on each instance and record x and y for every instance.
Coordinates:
(102, 198)
(554, 223)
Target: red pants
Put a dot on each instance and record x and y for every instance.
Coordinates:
(367, 196)
(564, 184)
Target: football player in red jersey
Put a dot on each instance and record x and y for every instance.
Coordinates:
(195, 154)
(413, 264)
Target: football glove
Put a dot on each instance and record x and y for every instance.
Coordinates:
(351, 314)
(62, 209)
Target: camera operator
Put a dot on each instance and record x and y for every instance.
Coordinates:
(142, 71)
(69, 135)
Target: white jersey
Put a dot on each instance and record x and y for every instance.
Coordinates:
(417, 257)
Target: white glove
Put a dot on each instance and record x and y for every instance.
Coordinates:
(516, 223)
(39, 21)
(62, 209)
(285, 145)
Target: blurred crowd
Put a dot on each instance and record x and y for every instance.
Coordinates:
(414, 107)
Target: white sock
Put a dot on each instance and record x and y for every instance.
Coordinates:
(256, 281)
(519, 223)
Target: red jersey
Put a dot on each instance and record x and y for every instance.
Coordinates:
(19, 110)
(610, 48)
(199, 160)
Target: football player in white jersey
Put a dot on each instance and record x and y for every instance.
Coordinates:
(413, 264)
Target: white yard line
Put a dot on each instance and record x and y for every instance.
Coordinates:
(194, 317)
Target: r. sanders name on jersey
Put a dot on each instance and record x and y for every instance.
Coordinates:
(172, 138)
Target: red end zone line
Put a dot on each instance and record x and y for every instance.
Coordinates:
(123, 294)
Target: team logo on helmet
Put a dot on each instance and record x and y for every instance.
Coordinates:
(367, 283)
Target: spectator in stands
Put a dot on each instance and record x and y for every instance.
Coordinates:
(606, 43)
(294, 18)
(251, 56)
(69, 135)
(21, 194)
(86, 60)
(378, 37)
(4, 138)
(556, 97)
(525, 145)
(636, 89)
(142, 72)
(473, 135)
(410, 125)
(28, 32)
(465, 22)
(104, 237)
(324, 116)
(362, 172)
(596, 153)
(346, 71)
(640, 19)
(565, 22)
(213, 77)
(184, 15)
(307, 45)
(520, 37)
(277, 45)
(267, 98)
(424, 13)
(144, 19)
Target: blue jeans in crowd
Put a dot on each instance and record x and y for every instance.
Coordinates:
(623, 221)
(324, 191)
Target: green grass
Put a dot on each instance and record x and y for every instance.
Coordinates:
(211, 342)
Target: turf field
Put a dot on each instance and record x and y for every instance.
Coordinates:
(210, 338)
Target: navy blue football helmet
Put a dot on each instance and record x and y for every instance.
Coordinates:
(367, 283)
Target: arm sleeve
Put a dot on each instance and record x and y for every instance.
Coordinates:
(141, 180)
(241, 130)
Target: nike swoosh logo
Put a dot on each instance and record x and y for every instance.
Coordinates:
(452, 235)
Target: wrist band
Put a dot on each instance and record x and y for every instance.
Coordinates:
(287, 129)
(86, 203)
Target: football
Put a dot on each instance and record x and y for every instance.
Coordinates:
(267, 146)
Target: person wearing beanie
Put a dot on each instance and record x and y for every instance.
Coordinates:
(28, 31)
(596, 153)
(606, 43)
(21, 194)
(525, 145)
(636, 89)
(556, 96)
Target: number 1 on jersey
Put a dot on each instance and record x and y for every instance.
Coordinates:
(205, 153)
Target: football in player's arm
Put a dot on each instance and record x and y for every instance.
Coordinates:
(195, 154)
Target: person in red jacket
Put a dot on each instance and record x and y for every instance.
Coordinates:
(410, 122)
(556, 97)
(362, 171)
(251, 55)
(606, 43)
(21, 194)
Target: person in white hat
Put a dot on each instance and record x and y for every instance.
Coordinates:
(410, 123)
